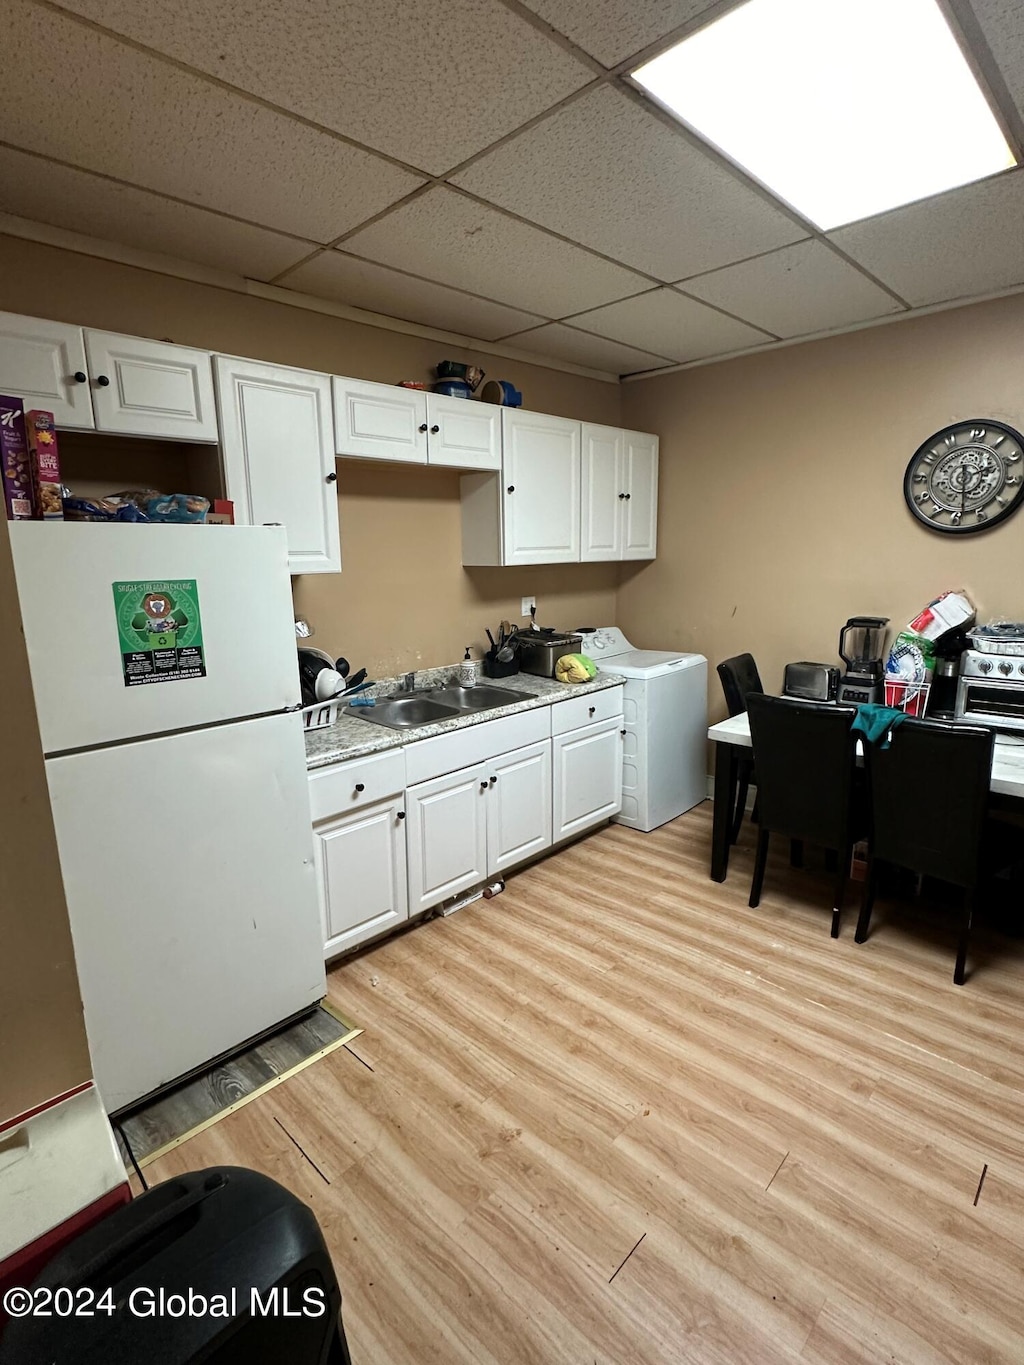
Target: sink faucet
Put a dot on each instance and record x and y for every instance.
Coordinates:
(408, 683)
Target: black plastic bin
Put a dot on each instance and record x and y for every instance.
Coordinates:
(222, 1266)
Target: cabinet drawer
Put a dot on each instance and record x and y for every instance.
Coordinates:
(333, 791)
(430, 758)
(586, 710)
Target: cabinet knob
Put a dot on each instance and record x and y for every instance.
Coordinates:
(434, 430)
(621, 496)
(493, 780)
(102, 380)
(511, 488)
(360, 786)
(591, 709)
(483, 785)
(80, 377)
(628, 496)
(332, 477)
(400, 814)
(622, 732)
(423, 427)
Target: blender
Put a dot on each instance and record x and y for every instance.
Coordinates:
(861, 642)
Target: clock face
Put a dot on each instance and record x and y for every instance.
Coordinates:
(966, 477)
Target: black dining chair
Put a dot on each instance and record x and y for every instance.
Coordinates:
(805, 754)
(929, 798)
(740, 678)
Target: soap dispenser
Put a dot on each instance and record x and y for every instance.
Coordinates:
(467, 670)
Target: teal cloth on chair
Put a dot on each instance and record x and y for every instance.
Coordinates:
(875, 722)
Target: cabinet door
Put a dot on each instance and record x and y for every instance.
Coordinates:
(278, 456)
(640, 453)
(380, 421)
(463, 434)
(603, 496)
(361, 869)
(151, 388)
(540, 488)
(518, 806)
(446, 835)
(44, 364)
(587, 782)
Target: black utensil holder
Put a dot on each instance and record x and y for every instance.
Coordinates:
(494, 669)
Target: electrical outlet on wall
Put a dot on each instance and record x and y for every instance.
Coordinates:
(529, 604)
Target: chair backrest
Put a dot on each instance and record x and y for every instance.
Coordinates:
(929, 795)
(804, 755)
(739, 677)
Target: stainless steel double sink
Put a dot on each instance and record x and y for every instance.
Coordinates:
(406, 710)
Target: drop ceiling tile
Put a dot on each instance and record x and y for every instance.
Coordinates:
(800, 289)
(346, 279)
(428, 83)
(670, 324)
(85, 98)
(581, 348)
(68, 198)
(612, 30)
(444, 236)
(607, 173)
(967, 241)
(1002, 23)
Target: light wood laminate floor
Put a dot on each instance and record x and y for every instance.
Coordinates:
(614, 1115)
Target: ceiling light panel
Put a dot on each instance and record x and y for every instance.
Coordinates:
(843, 108)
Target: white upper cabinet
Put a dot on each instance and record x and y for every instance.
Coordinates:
(380, 421)
(409, 426)
(640, 485)
(150, 388)
(44, 364)
(462, 433)
(278, 455)
(619, 515)
(602, 495)
(530, 514)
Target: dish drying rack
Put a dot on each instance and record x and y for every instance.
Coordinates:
(321, 715)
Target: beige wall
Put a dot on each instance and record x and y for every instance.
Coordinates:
(782, 507)
(42, 1035)
(403, 600)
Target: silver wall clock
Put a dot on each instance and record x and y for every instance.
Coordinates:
(967, 477)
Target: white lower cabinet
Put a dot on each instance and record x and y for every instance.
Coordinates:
(359, 842)
(587, 776)
(446, 835)
(518, 806)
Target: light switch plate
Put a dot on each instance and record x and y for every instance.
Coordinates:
(529, 604)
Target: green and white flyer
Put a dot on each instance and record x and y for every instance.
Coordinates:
(160, 631)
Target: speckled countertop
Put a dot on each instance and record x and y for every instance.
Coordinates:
(352, 737)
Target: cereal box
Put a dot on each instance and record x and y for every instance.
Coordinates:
(14, 460)
(42, 448)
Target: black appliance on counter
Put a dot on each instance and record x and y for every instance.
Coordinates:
(861, 643)
(949, 649)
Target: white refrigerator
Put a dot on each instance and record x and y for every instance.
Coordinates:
(165, 677)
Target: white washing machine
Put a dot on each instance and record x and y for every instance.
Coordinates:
(665, 705)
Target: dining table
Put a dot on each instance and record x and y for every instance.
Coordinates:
(732, 744)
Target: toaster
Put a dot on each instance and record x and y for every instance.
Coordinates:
(540, 650)
(811, 682)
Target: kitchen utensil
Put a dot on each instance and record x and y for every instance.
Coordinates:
(506, 631)
(502, 392)
(355, 680)
(342, 665)
(491, 638)
(453, 388)
(359, 687)
(505, 654)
